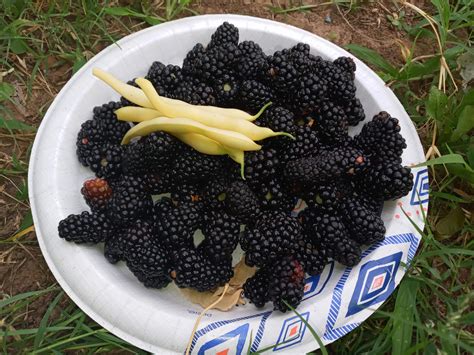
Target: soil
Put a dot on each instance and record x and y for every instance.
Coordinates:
(22, 267)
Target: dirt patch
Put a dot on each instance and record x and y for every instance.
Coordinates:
(367, 26)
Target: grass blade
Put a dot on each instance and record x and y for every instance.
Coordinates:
(404, 309)
(68, 340)
(32, 331)
(452, 158)
(22, 296)
(44, 322)
(372, 57)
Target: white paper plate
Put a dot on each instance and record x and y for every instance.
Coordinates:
(160, 321)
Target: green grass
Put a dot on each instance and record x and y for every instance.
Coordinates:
(429, 313)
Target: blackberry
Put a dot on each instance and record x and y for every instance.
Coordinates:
(274, 235)
(274, 196)
(191, 58)
(330, 194)
(148, 262)
(301, 48)
(286, 283)
(279, 119)
(113, 129)
(194, 270)
(354, 111)
(187, 192)
(96, 193)
(221, 232)
(327, 231)
(390, 181)
(256, 288)
(89, 139)
(227, 56)
(162, 144)
(226, 89)
(254, 95)
(224, 271)
(195, 92)
(340, 84)
(129, 201)
(161, 209)
(260, 164)
(214, 192)
(204, 95)
(242, 202)
(381, 138)
(363, 225)
(224, 34)
(252, 60)
(205, 68)
(150, 154)
(85, 228)
(302, 59)
(163, 206)
(163, 76)
(135, 158)
(152, 270)
(311, 258)
(371, 201)
(306, 144)
(347, 64)
(331, 124)
(113, 248)
(137, 238)
(193, 165)
(216, 62)
(154, 74)
(328, 165)
(312, 90)
(106, 160)
(159, 182)
(176, 227)
(280, 72)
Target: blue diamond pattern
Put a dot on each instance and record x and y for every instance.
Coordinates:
(292, 324)
(372, 273)
(420, 191)
(374, 291)
(235, 340)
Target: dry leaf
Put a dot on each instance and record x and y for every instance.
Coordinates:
(204, 299)
(229, 301)
(233, 290)
(241, 273)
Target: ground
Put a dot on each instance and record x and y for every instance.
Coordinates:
(41, 57)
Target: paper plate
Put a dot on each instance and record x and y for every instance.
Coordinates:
(335, 302)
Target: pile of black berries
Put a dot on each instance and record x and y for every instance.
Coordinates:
(151, 196)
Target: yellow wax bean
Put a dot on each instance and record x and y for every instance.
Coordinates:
(244, 127)
(137, 96)
(238, 157)
(131, 93)
(231, 113)
(136, 114)
(201, 143)
(178, 125)
(236, 113)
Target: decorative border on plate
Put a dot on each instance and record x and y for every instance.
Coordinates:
(332, 333)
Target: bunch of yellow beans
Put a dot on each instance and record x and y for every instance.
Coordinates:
(208, 129)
